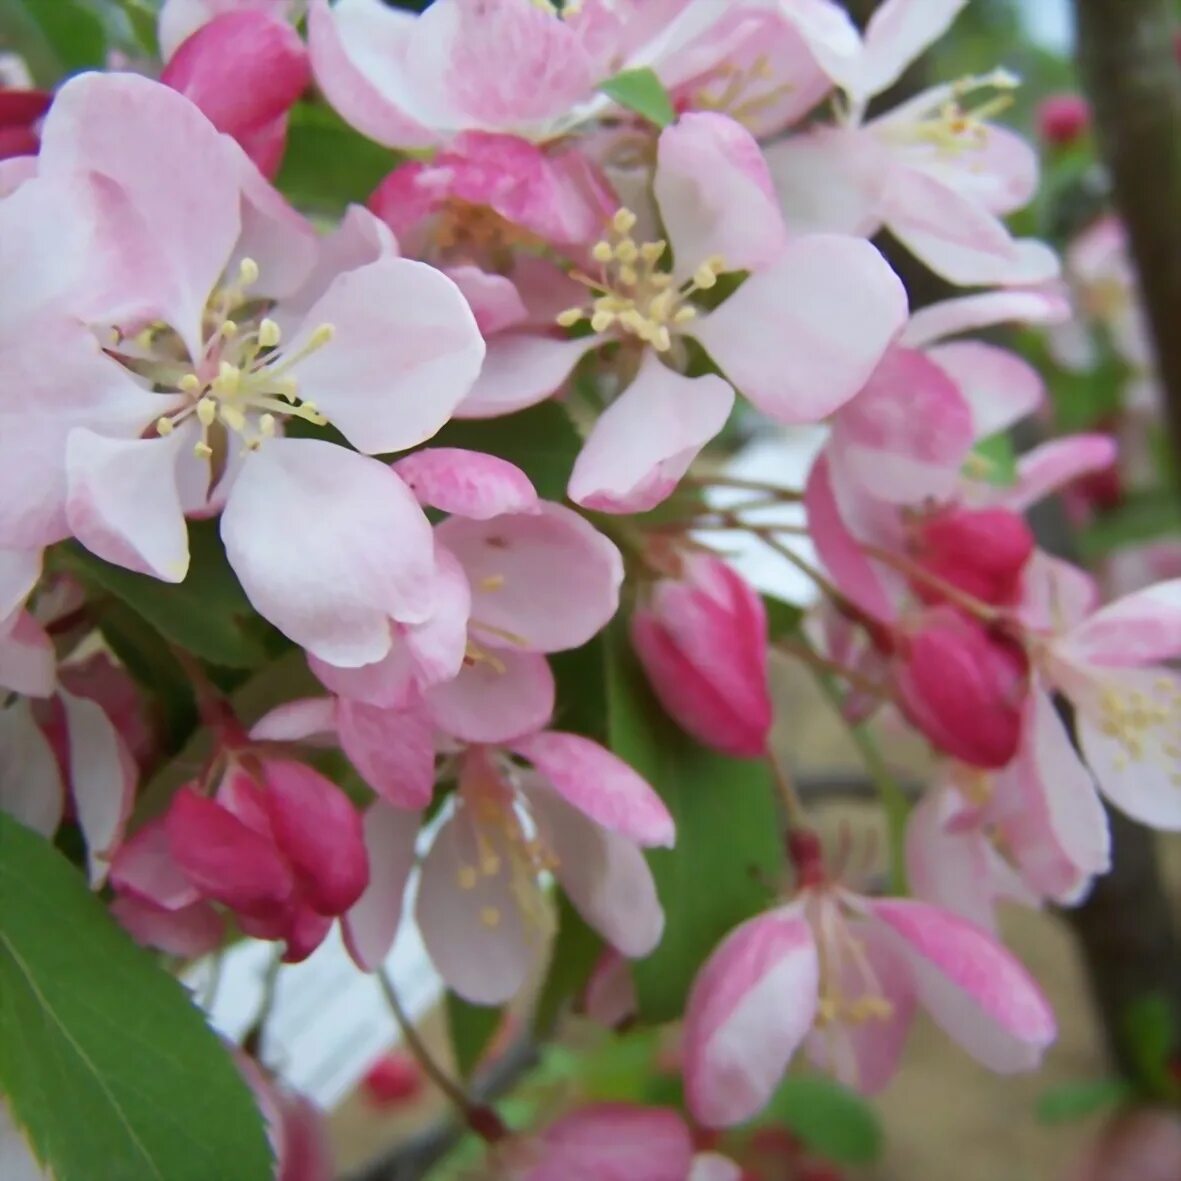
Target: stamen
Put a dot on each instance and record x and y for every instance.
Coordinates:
(269, 334)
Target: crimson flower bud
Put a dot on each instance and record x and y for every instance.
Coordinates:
(1062, 118)
(244, 70)
(981, 551)
(20, 112)
(963, 686)
(702, 640)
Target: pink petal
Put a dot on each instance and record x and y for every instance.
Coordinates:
(319, 831)
(715, 195)
(404, 353)
(1000, 387)
(521, 370)
(294, 721)
(975, 990)
(191, 932)
(28, 660)
(600, 785)
(906, 435)
(102, 781)
(711, 1166)
(124, 501)
(494, 699)
(180, 19)
(143, 865)
(950, 317)
(1049, 467)
(494, 299)
(467, 483)
(802, 337)
(19, 572)
(1141, 628)
(604, 875)
(1055, 594)
(371, 925)
(177, 171)
(750, 1008)
(393, 749)
(1025, 264)
(613, 1142)
(476, 936)
(543, 581)
(644, 442)
(897, 33)
(332, 582)
(389, 682)
(30, 783)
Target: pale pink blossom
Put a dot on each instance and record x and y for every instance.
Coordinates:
(117, 446)
(180, 19)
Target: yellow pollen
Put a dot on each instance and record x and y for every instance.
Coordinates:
(467, 877)
(492, 582)
(266, 424)
(228, 378)
(490, 917)
(624, 221)
(268, 334)
(602, 252)
(206, 412)
(229, 329)
(1144, 724)
(202, 450)
(189, 384)
(320, 337)
(570, 317)
(164, 426)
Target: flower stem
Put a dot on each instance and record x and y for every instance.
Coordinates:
(775, 490)
(793, 805)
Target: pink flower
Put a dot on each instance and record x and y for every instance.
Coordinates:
(297, 1129)
(185, 412)
(845, 973)
(982, 551)
(1063, 118)
(581, 814)
(702, 639)
(180, 19)
(208, 66)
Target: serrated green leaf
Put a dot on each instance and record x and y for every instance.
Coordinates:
(1072, 1101)
(541, 441)
(643, 92)
(994, 460)
(327, 165)
(728, 852)
(830, 1120)
(1142, 517)
(208, 614)
(471, 1028)
(107, 1065)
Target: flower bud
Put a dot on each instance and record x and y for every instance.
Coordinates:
(1062, 118)
(702, 640)
(244, 70)
(981, 551)
(20, 114)
(963, 687)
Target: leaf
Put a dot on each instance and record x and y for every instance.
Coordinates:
(643, 92)
(142, 18)
(541, 441)
(994, 460)
(208, 614)
(575, 952)
(472, 1028)
(1149, 1031)
(328, 165)
(783, 618)
(56, 37)
(107, 1064)
(1072, 1101)
(831, 1121)
(1143, 516)
(728, 852)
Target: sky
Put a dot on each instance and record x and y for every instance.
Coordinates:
(1048, 22)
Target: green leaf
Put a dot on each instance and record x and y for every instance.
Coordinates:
(643, 92)
(1072, 1101)
(208, 614)
(142, 18)
(472, 1028)
(107, 1064)
(56, 37)
(728, 852)
(783, 618)
(1143, 516)
(328, 165)
(1149, 1034)
(831, 1121)
(994, 460)
(541, 441)
(575, 952)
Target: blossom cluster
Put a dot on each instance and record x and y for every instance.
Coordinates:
(181, 349)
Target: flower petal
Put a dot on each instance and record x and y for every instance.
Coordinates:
(521, 369)
(30, 783)
(802, 337)
(28, 659)
(144, 866)
(897, 33)
(644, 442)
(1000, 387)
(749, 1009)
(371, 925)
(497, 698)
(331, 582)
(466, 483)
(1048, 468)
(1141, 628)
(600, 785)
(613, 1142)
(393, 749)
(950, 317)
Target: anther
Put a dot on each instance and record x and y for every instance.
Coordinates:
(164, 426)
(247, 272)
(268, 334)
(624, 221)
(570, 317)
(189, 384)
(602, 252)
(206, 412)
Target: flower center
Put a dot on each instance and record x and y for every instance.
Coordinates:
(741, 91)
(632, 295)
(241, 384)
(954, 127)
(850, 992)
(1145, 723)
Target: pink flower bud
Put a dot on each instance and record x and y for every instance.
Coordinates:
(20, 113)
(963, 687)
(981, 551)
(1062, 118)
(702, 640)
(244, 70)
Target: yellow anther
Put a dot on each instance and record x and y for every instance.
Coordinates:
(202, 450)
(467, 877)
(228, 378)
(489, 864)
(602, 252)
(652, 252)
(661, 340)
(228, 329)
(684, 315)
(247, 272)
(266, 424)
(164, 426)
(492, 582)
(206, 412)
(570, 317)
(189, 384)
(624, 221)
(143, 340)
(628, 276)
(704, 277)
(626, 250)
(601, 321)
(321, 336)
(268, 334)
(232, 416)
(490, 917)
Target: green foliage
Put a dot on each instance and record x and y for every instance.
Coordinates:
(994, 460)
(107, 1064)
(1142, 517)
(830, 1120)
(327, 164)
(728, 851)
(1072, 1101)
(55, 37)
(1149, 1034)
(643, 92)
(575, 952)
(208, 614)
(541, 441)
(472, 1028)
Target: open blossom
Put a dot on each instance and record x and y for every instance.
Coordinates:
(702, 640)
(844, 975)
(162, 388)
